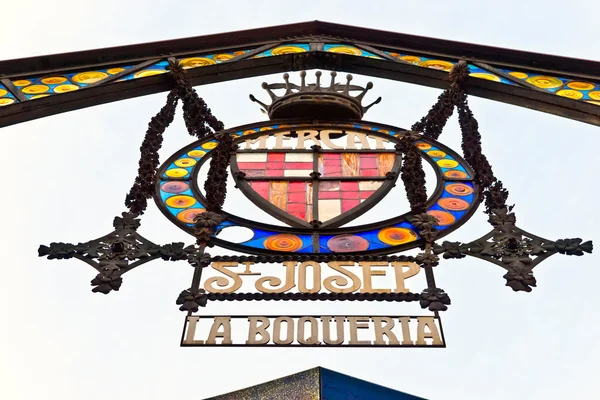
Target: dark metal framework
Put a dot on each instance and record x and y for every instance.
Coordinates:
(317, 34)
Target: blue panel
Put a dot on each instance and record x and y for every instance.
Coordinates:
(336, 386)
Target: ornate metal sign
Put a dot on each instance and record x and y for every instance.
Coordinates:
(342, 331)
(315, 166)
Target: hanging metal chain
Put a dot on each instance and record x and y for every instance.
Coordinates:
(143, 186)
(198, 118)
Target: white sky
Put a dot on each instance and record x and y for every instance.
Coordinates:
(65, 178)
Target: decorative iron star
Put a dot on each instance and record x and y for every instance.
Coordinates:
(117, 253)
(513, 249)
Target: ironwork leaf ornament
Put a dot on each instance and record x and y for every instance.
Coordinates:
(190, 300)
(520, 278)
(434, 299)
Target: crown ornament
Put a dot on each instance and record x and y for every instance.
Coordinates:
(315, 101)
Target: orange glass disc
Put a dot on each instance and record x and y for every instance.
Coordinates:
(455, 174)
(283, 242)
(444, 218)
(188, 215)
(180, 201)
(453, 204)
(459, 189)
(395, 236)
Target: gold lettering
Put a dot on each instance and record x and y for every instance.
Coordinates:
(290, 277)
(262, 142)
(357, 323)
(339, 327)
(379, 142)
(314, 331)
(368, 274)
(340, 280)
(214, 333)
(427, 322)
(316, 281)
(192, 322)
(279, 138)
(256, 329)
(401, 275)
(351, 140)
(406, 340)
(324, 135)
(381, 330)
(221, 282)
(305, 135)
(289, 334)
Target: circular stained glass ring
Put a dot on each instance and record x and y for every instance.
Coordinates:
(519, 75)
(345, 50)
(453, 204)
(21, 82)
(444, 218)
(436, 154)
(174, 187)
(148, 72)
(447, 163)
(3, 92)
(196, 153)
(36, 89)
(411, 59)
(347, 243)
(6, 101)
(571, 94)
(483, 75)
(283, 242)
(189, 215)
(437, 64)
(65, 88)
(223, 57)
(196, 62)
(459, 189)
(176, 172)
(545, 82)
(277, 51)
(54, 80)
(594, 95)
(395, 236)
(576, 85)
(180, 201)
(455, 174)
(423, 146)
(89, 77)
(185, 162)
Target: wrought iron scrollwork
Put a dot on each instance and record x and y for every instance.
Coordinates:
(513, 249)
(115, 254)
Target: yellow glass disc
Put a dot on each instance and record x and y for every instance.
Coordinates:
(36, 89)
(353, 51)
(39, 96)
(195, 62)
(249, 132)
(277, 51)
(580, 85)
(148, 72)
(209, 145)
(482, 75)
(436, 154)
(180, 201)
(265, 128)
(545, 82)
(54, 80)
(113, 71)
(196, 153)
(594, 102)
(423, 146)
(89, 77)
(520, 75)
(176, 172)
(21, 82)
(571, 94)
(447, 163)
(594, 95)
(65, 88)
(437, 64)
(6, 101)
(411, 59)
(3, 92)
(223, 57)
(185, 162)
